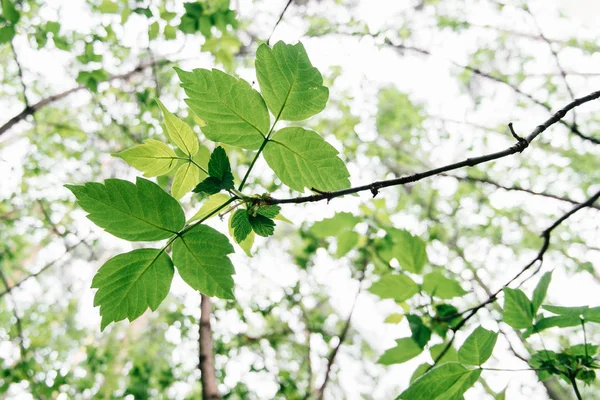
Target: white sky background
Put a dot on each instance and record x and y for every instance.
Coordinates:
(365, 69)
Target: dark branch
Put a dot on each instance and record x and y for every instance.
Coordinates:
(31, 110)
(546, 234)
(18, 323)
(469, 162)
(287, 5)
(206, 357)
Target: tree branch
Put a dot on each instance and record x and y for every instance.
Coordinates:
(18, 323)
(289, 2)
(539, 257)
(374, 187)
(32, 109)
(206, 358)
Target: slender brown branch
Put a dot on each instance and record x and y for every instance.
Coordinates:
(287, 5)
(32, 109)
(374, 187)
(43, 269)
(20, 72)
(206, 357)
(341, 338)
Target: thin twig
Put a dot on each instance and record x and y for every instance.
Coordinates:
(469, 162)
(539, 257)
(18, 323)
(289, 2)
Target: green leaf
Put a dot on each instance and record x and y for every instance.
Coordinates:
(219, 170)
(394, 286)
(234, 113)
(130, 283)
(293, 89)
(262, 225)
(9, 11)
(394, 318)
(409, 250)
(450, 355)
(219, 167)
(186, 178)
(436, 284)
(346, 242)
(478, 347)
(153, 158)
(302, 159)
(248, 240)
(140, 212)
(518, 310)
(108, 7)
(201, 259)
(153, 30)
(406, 349)
(339, 223)
(6, 34)
(210, 205)
(447, 381)
(421, 369)
(240, 223)
(571, 311)
(420, 332)
(561, 321)
(539, 294)
(269, 211)
(179, 132)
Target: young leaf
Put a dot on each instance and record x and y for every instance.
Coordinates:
(210, 205)
(9, 12)
(450, 380)
(409, 250)
(130, 283)
(302, 159)
(340, 222)
(478, 347)
(406, 349)
(248, 241)
(293, 89)
(436, 284)
(153, 158)
(394, 286)
(234, 113)
(560, 321)
(240, 223)
(518, 310)
(179, 132)
(140, 212)
(539, 294)
(450, 355)
(420, 332)
(269, 211)
(262, 225)
(219, 171)
(572, 311)
(186, 178)
(201, 259)
(346, 242)
(394, 318)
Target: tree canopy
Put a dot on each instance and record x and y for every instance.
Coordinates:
(304, 199)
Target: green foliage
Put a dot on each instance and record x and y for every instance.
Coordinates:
(518, 310)
(135, 212)
(539, 294)
(234, 113)
(420, 332)
(436, 284)
(409, 250)
(153, 157)
(395, 286)
(219, 174)
(293, 89)
(179, 132)
(478, 347)
(200, 255)
(302, 159)
(130, 283)
(406, 349)
(447, 381)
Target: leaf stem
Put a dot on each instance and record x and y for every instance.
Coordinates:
(575, 388)
(197, 165)
(213, 212)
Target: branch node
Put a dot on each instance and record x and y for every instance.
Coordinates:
(522, 143)
(374, 191)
